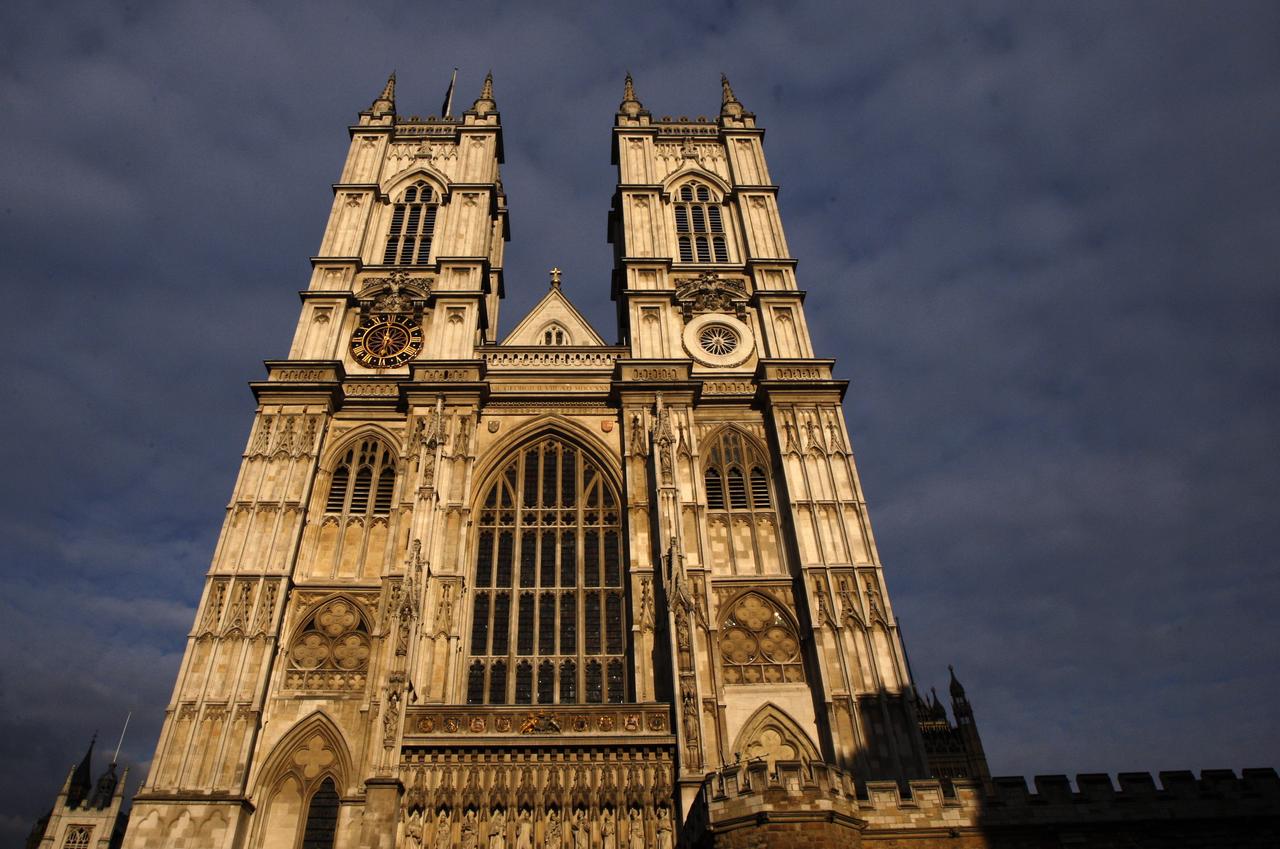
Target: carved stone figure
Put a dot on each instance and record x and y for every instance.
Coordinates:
(442, 837)
(498, 830)
(524, 831)
(553, 830)
(635, 829)
(469, 833)
(413, 831)
(664, 830)
(580, 830)
(608, 830)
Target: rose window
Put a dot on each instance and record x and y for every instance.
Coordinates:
(759, 644)
(718, 340)
(331, 651)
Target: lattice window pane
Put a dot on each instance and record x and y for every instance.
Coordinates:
(484, 559)
(568, 623)
(322, 817)
(498, 682)
(612, 560)
(595, 683)
(568, 559)
(524, 684)
(480, 625)
(547, 624)
(591, 624)
(475, 684)
(546, 682)
(613, 624)
(528, 558)
(547, 555)
(501, 623)
(617, 684)
(524, 625)
(591, 558)
(505, 539)
(568, 682)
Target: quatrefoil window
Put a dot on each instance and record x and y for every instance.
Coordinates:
(759, 644)
(331, 651)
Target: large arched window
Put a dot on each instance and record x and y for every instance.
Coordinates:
(412, 223)
(363, 481)
(699, 225)
(548, 619)
(735, 475)
(322, 817)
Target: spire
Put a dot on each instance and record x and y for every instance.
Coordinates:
(81, 780)
(485, 102)
(386, 101)
(957, 690)
(629, 105)
(729, 105)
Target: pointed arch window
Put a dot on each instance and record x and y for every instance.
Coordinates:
(413, 222)
(554, 334)
(736, 476)
(548, 616)
(364, 481)
(322, 817)
(699, 225)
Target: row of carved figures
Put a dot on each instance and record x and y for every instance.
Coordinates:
(577, 828)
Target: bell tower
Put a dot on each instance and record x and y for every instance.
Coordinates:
(783, 642)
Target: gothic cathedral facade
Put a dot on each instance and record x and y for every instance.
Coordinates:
(537, 590)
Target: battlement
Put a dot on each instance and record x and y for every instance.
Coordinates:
(1218, 801)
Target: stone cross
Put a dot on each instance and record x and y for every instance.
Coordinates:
(555, 278)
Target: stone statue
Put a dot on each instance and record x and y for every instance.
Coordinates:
(608, 830)
(635, 832)
(580, 830)
(413, 832)
(443, 840)
(553, 830)
(524, 831)
(664, 830)
(498, 830)
(469, 835)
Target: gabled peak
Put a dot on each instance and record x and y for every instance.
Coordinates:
(629, 106)
(957, 689)
(485, 102)
(385, 103)
(554, 321)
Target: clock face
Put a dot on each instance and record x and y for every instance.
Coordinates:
(385, 341)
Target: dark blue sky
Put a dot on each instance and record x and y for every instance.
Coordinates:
(1042, 240)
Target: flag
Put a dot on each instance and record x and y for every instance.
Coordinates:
(447, 108)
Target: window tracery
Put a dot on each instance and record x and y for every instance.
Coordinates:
(77, 838)
(758, 644)
(548, 614)
(363, 481)
(413, 222)
(331, 650)
(735, 475)
(699, 225)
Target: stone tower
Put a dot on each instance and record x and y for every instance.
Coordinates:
(86, 814)
(543, 591)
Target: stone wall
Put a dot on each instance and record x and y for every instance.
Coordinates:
(816, 805)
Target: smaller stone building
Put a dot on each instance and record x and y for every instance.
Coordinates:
(86, 814)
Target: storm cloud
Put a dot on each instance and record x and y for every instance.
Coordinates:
(1042, 240)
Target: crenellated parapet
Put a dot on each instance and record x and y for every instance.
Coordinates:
(811, 803)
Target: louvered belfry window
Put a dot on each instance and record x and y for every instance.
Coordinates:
(363, 481)
(413, 221)
(699, 225)
(548, 616)
(735, 477)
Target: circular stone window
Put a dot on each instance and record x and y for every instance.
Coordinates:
(718, 341)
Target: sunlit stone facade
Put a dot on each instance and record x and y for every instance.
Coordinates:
(543, 590)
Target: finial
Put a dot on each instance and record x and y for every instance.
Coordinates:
(957, 689)
(555, 278)
(485, 102)
(629, 106)
(729, 104)
(386, 102)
